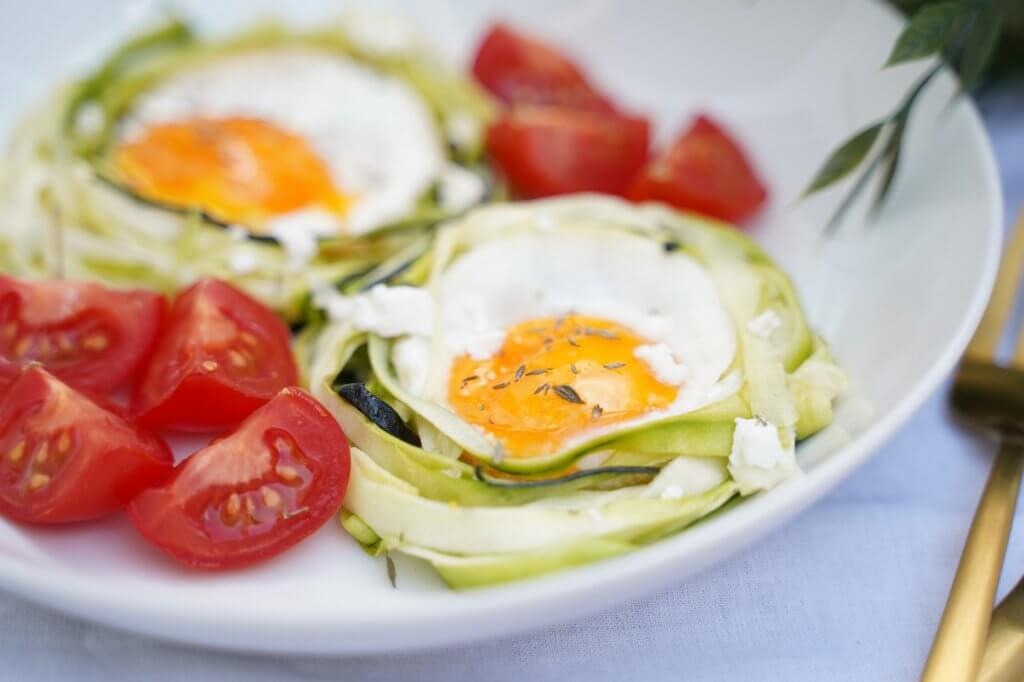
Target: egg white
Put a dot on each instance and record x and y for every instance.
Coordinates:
(373, 132)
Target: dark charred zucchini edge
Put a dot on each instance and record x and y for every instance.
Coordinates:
(378, 412)
(484, 477)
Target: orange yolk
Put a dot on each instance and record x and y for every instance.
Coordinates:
(553, 379)
(239, 170)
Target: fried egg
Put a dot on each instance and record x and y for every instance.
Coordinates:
(547, 339)
(282, 139)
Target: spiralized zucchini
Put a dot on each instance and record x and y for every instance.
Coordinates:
(431, 486)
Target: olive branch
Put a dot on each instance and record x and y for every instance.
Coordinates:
(964, 35)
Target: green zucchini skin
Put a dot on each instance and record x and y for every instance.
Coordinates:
(379, 412)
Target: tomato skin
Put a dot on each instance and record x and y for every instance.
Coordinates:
(221, 355)
(65, 458)
(705, 171)
(520, 70)
(87, 335)
(245, 498)
(543, 151)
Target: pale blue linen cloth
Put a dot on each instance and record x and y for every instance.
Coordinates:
(851, 590)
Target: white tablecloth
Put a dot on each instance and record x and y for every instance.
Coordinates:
(851, 590)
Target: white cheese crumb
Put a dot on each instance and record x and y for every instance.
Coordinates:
(243, 262)
(459, 189)
(298, 232)
(452, 473)
(758, 461)
(594, 514)
(383, 310)
(663, 365)
(462, 129)
(764, 324)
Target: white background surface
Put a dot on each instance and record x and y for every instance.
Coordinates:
(849, 591)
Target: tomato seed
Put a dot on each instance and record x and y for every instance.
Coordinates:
(209, 365)
(38, 481)
(237, 359)
(271, 497)
(42, 454)
(95, 342)
(233, 506)
(64, 343)
(17, 452)
(64, 443)
(288, 474)
(249, 339)
(21, 348)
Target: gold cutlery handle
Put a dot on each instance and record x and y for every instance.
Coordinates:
(1004, 653)
(960, 641)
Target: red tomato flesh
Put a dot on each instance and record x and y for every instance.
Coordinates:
(221, 355)
(520, 70)
(704, 171)
(92, 337)
(544, 151)
(65, 458)
(254, 493)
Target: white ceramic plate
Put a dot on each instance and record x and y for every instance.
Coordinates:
(898, 301)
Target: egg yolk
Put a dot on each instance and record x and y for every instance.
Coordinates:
(553, 379)
(239, 170)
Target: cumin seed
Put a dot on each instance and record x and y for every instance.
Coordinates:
(543, 388)
(537, 372)
(573, 342)
(568, 394)
(614, 365)
(520, 372)
(498, 387)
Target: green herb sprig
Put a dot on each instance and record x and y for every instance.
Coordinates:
(964, 34)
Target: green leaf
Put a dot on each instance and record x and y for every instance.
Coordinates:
(845, 159)
(927, 32)
(981, 40)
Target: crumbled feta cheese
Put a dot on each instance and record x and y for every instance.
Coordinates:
(663, 365)
(459, 189)
(462, 129)
(594, 514)
(243, 262)
(299, 231)
(383, 310)
(765, 324)
(758, 460)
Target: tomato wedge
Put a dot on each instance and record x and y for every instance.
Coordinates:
(520, 70)
(92, 337)
(543, 151)
(254, 493)
(65, 458)
(221, 355)
(704, 171)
